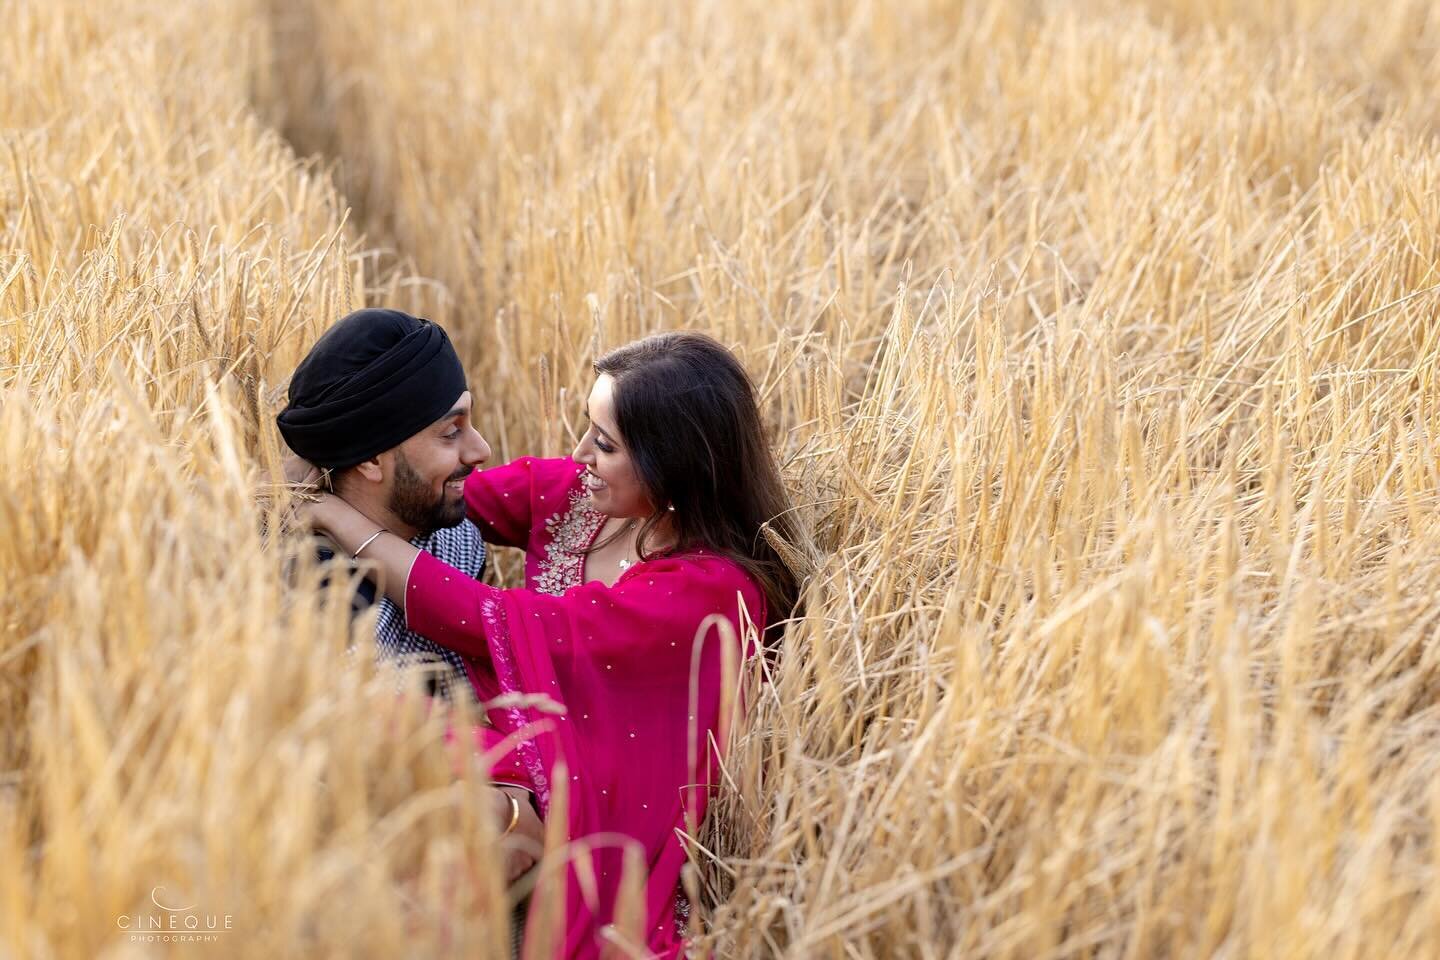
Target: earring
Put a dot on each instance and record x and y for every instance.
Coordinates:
(671, 508)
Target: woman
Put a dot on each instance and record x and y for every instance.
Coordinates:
(645, 554)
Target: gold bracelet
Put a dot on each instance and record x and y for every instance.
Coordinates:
(368, 540)
(514, 814)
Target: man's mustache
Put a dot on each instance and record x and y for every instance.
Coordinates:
(460, 474)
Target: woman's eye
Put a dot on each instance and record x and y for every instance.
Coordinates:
(604, 447)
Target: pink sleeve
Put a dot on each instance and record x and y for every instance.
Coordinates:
(663, 599)
(505, 502)
(497, 751)
(498, 502)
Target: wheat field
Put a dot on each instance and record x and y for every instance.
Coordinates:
(1099, 343)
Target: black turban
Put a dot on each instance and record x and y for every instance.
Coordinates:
(373, 380)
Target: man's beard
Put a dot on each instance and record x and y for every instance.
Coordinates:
(412, 500)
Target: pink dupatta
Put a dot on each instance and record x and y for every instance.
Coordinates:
(635, 672)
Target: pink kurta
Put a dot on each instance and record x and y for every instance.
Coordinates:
(635, 673)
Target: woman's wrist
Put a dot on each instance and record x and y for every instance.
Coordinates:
(342, 523)
(391, 557)
(323, 513)
(523, 794)
(510, 812)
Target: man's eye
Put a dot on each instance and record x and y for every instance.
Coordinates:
(452, 436)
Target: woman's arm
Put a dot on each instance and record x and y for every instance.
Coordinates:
(351, 529)
(498, 500)
(663, 598)
(525, 843)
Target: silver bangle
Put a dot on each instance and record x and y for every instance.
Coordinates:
(368, 540)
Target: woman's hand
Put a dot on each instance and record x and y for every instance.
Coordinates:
(322, 511)
(389, 557)
(302, 478)
(524, 844)
(299, 471)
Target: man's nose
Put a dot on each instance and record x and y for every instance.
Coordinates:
(477, 451)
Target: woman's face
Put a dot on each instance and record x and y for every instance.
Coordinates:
(615, 487)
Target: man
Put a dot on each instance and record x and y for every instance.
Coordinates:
(381, 404)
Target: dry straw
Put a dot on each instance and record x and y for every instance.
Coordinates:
(1099, 344)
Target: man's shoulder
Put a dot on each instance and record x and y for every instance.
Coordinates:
(330, 555)
(461, 546)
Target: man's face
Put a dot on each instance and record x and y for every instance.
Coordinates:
(428, 470)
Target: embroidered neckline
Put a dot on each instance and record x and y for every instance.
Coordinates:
(571, 534)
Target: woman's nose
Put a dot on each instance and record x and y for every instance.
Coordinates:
(581, 453)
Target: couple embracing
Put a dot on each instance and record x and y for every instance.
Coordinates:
(645, 559)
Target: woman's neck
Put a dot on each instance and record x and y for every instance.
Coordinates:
(661, 536)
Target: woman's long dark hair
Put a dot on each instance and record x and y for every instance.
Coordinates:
(686, 409)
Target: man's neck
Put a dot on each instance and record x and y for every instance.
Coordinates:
(376, 510)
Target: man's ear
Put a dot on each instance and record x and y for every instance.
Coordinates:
(370, 469)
